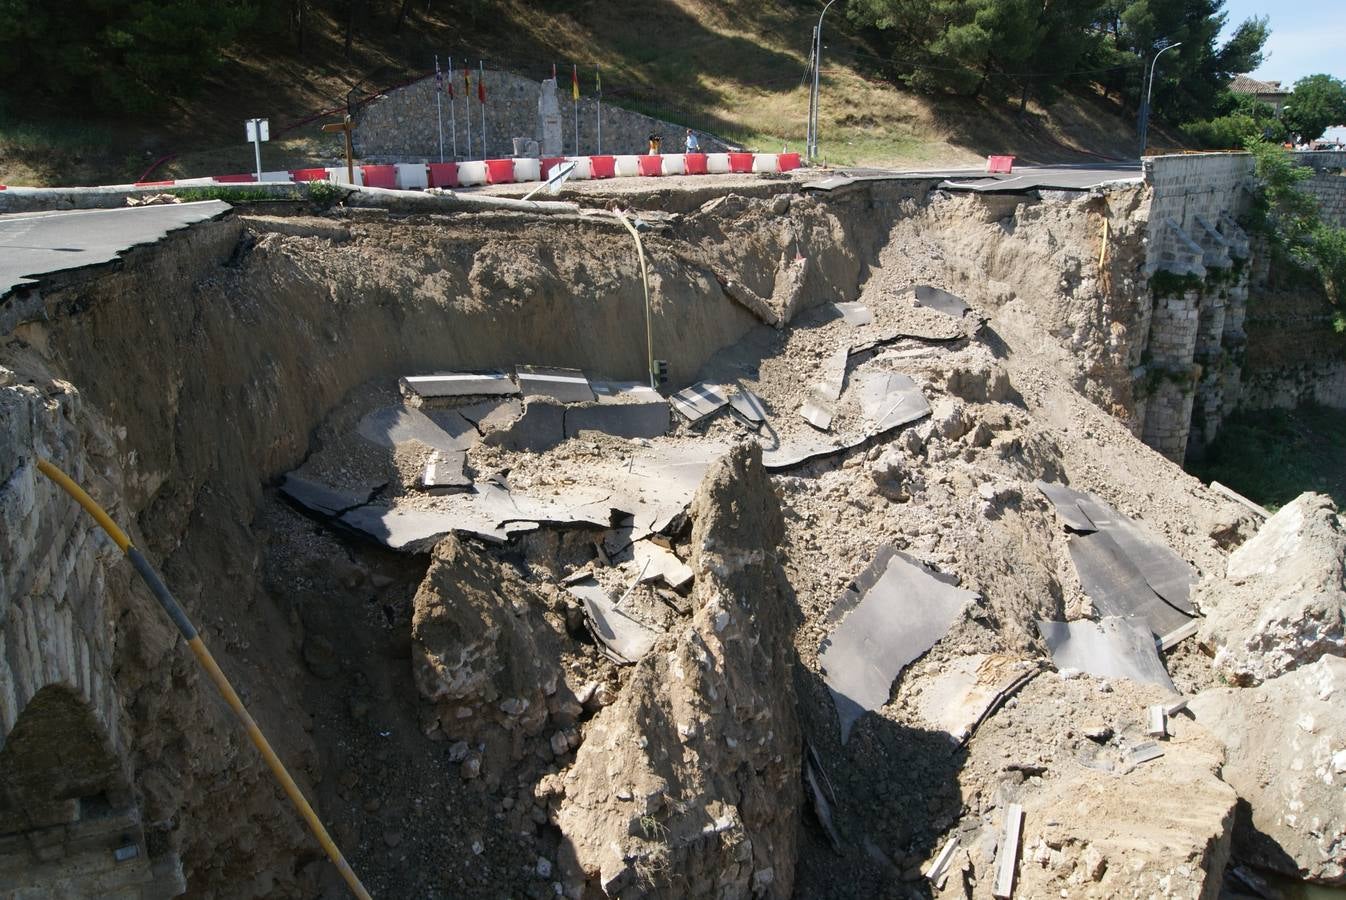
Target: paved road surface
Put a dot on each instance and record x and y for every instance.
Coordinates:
(35, 244)
(1065, 177)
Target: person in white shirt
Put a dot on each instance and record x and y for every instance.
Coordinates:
(693, 146)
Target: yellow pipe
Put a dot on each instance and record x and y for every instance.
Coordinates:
(207, 662)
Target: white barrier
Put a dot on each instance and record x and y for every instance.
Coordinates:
(276, 176)
(338, 175)
(675, 164)
(412, 176)
(583, 170)
(527, 169)
(472, 172)
(717, 163)
(628, 166)
(765, 162)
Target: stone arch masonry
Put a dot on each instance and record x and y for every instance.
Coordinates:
(70, 824)
(1200, 267)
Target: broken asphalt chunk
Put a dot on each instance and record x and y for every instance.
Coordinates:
(319, 498)
(1113, 647)
(941, 301)
(855, 314)
(460, 384)
(747, 408)
(565, 385)
(896, 610)
(889, 400)
(698, 401)
(624, 639)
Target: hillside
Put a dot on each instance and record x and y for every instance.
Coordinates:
(736, 68)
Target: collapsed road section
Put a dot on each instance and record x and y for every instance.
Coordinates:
(875, 597)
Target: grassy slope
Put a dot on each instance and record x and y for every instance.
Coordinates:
(735, 67)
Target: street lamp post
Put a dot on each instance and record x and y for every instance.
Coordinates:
(1145, 107)
(812, 148)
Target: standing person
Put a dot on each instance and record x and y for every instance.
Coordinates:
(693, 145)
(655, 141)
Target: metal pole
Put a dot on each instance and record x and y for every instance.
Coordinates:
(599, 121)
(257, 145)
(453, 116)
(645, 281)
(481, 94)
(467, 104)
(817, 68)
(439, 106)
(808, 126)
(1145, 107)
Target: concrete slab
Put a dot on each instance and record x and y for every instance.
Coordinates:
(540, 427)
(1167, 573)
(659, 563)
(942, 301)
(565, 385)
(623, 409)
(818, 413)
(895, 611)
(444, 470)
(698, 401)
(1113, 647)
(1067, 503)
(957, 698)
(413, 530)
(461, 384)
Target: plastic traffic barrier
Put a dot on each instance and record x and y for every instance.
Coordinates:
(999, 165)
(766, 162)
(603, 166)
(471, 173)
(340, 175)
(628, 166)
(789, 161)
(500, 171)
(379, 176)
(412, 176)
(675, 164)
(548, 161)
(527, 169)
(717, 163)
(650, 165)
(221, 179)
(583, 168)
(308, 174)
(443, 175)
(695, 164)
(740, 162)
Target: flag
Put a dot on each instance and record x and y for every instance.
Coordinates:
(598, 81)
(575, 83)
(467, 82)
(481, 85)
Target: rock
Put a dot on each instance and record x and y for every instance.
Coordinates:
(481, 642)
(703, 816)
(543, 867)
(1284, 743)
(1282, 604)
(889, 474)
(947, 420)
(559, 744)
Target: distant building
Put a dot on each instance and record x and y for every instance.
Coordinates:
(1269, 92)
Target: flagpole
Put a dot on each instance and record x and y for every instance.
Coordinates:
(599, 98)
(453, 115)
(575, 94)
(481, 95)
(467, 104)
(439, 106)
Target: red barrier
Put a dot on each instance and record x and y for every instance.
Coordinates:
(696, 164)
(548, 162)
(789, 161)
(308, 174)
(999, 165)
(232, 179)
(499, 171)
(444, 175)
(740, 162)
(380, 176)
(650, 165)
(603, 166)
(168, 183)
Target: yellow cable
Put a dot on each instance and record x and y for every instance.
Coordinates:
(207, 662)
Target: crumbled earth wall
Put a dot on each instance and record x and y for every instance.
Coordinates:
(689, 784)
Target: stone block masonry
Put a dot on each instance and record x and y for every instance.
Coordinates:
(402, 125)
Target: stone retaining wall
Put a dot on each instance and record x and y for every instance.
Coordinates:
(403, 125)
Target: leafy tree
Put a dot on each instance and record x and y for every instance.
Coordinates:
(1291, 219)
(1242, 117)
(121, 54)
(1317, 103)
